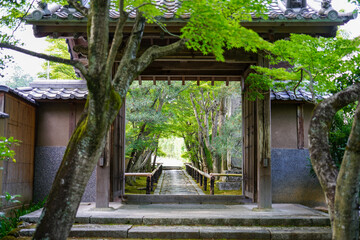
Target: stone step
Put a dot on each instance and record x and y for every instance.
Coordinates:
(244, 220)
(194, 232)
(186, 199)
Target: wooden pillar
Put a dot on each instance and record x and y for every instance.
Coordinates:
(117, 174)
(3, 164)
(264, 152)
(103, 177)
(212, 185)
(262, 140)
(300, 126)
(122, 127)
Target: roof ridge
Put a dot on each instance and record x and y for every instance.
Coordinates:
(65, 83)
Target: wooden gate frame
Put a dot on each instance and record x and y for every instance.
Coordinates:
(256, 119)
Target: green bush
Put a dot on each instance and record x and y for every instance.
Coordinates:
(9, 223)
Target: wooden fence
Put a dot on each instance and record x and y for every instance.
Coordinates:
(151, 178)
(202, 177)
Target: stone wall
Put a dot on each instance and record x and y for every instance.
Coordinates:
(291, 180)
(47, 162)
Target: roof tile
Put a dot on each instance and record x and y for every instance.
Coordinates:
(276, 10)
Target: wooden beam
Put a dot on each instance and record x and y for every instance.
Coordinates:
(191, 72)
(184, 78)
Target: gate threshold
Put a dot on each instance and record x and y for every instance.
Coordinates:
(186, 199)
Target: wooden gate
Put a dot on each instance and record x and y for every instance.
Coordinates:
(249, 147)
(257, 149)
(117, 165)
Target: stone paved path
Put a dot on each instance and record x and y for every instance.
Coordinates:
(177, 182)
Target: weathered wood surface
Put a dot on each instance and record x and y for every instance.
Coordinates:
(300, 126)
(17, 178)
(264, 152)
(103, 177)
(201, 177)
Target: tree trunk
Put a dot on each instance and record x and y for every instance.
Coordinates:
(135, 152)
(222, 118)
(346, 221)
(105, 98)
(82, 154)
(154, 162)
(321, 159)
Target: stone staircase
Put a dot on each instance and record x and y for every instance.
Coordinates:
(195, 221)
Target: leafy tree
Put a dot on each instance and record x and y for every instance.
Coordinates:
(323, 66)
(12, 15)
(58, 48)
(7, 154)
(201, 118)
(18, 78)
(215, 25)
(147, 121)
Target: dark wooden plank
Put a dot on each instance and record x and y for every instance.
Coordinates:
(72, 118)
(2, 102)
(122, 126)
(300, 126)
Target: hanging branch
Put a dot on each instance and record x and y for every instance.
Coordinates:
(78, 6)
(155, 52)
(74, 63)
(117, 40)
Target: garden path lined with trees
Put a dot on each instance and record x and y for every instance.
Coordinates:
(177, 182)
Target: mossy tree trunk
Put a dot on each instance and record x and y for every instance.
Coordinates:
(346, 209)
(340, 190)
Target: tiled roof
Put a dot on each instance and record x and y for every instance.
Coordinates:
(19, 93)
(4, 115)
(301, 95)
(55, 90)
(277, 10)
(76, 89)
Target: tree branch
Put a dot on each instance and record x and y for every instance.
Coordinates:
(155, 52)
(98, 37)
(83, 10)
(133, 43)
(126, 71)
(346, 223)
(116, 42)
(76, 64)
(121, 8)
(319, 149)
(22, 18)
